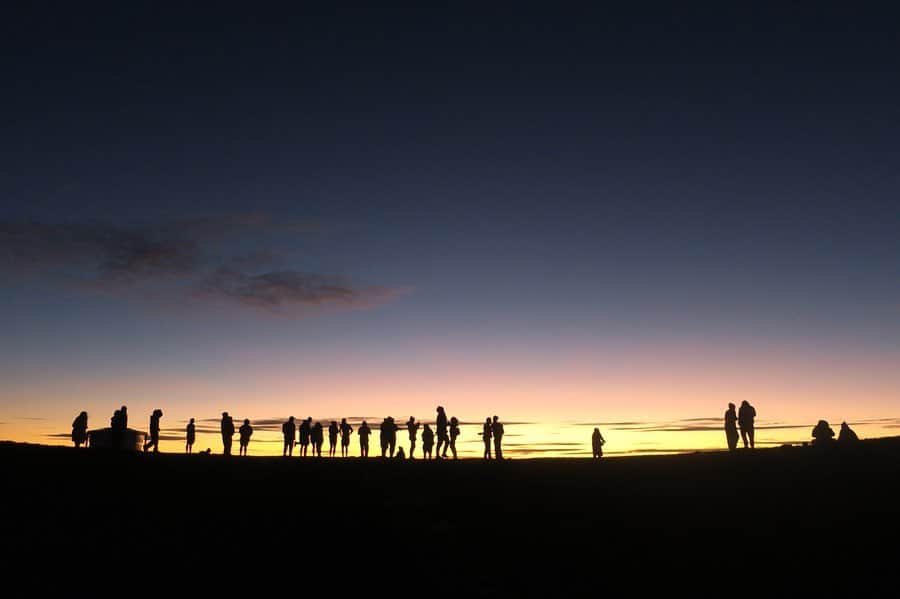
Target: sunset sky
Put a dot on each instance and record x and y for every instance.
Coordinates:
(570, 219)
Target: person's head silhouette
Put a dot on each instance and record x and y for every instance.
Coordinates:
(730, 406)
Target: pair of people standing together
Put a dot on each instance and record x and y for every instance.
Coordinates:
(492, 429)
(743, 418)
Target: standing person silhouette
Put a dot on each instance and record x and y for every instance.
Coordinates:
(288, 431)
(731, 431)
(497, 432)
(191, 436)
(746, 414)
(364, 432)
(245, 432)
(316, 438)
(486, 437)
(412, 427)
(427, 441)
(154, 431)
(346, 430)
(227, 428)
(454, 433)
(597, 443)
(79, 429)
(391, 434)
(305, 430)
(442, 439)
(332, 438)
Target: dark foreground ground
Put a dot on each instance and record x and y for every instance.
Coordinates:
(774, 522)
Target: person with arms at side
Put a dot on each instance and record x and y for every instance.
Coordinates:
(227, 429)
(746, 414)
(497, 432)
(731, 431)
(288, 431)
(364, 432)
(597, 443)
(191, 436)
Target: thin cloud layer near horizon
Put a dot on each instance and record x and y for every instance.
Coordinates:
(555, 215)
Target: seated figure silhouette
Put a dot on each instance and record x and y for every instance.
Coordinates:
(79, 429)
(847, 435)
(822, 434)
(400, 455)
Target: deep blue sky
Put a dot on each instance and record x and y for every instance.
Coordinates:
(532, 177)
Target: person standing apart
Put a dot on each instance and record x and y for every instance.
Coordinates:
(246, 431)
(154, 431)
(746, 414)
(597, 443)
(731, 431)
(227, 428)
(191, 433)
(364, 432)
(454, 433)
(79, 429)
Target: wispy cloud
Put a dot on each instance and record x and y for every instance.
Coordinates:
(186, 259)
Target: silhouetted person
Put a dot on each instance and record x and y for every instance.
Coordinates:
(346, 431)
(400, 455)
(454, 433)
(427, 441)
(79, 429)
(822, 434)
(746, 414)
(227, 428)
(486, 435)
(191, 437)
(245, 432)
(443, 439)
(388, 436)
(412, 427)
(288, 431)
(117, 425)
(364, 432)
(333, 431)
(316, 439)
(731, 431)
(154, 431)
(305, 430)
(497, 432)
(847, 436)
(597, 443)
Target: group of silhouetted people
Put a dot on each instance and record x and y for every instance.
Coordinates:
(823, 435)
(744, 419)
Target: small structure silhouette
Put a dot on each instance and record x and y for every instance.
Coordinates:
(227, 429)
(847, 436)
(154, 431)
(364, 432)
(288, 431)
(497, 432)
(117, 436)
(427, 441)
(245, 432)
(597, 443)
(822, 434)
(79, 429)
(191, 436)
(731, 431)
(746, 414)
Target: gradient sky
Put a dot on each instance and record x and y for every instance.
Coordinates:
(569, 217)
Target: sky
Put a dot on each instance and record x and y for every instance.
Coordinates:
(568, 216)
